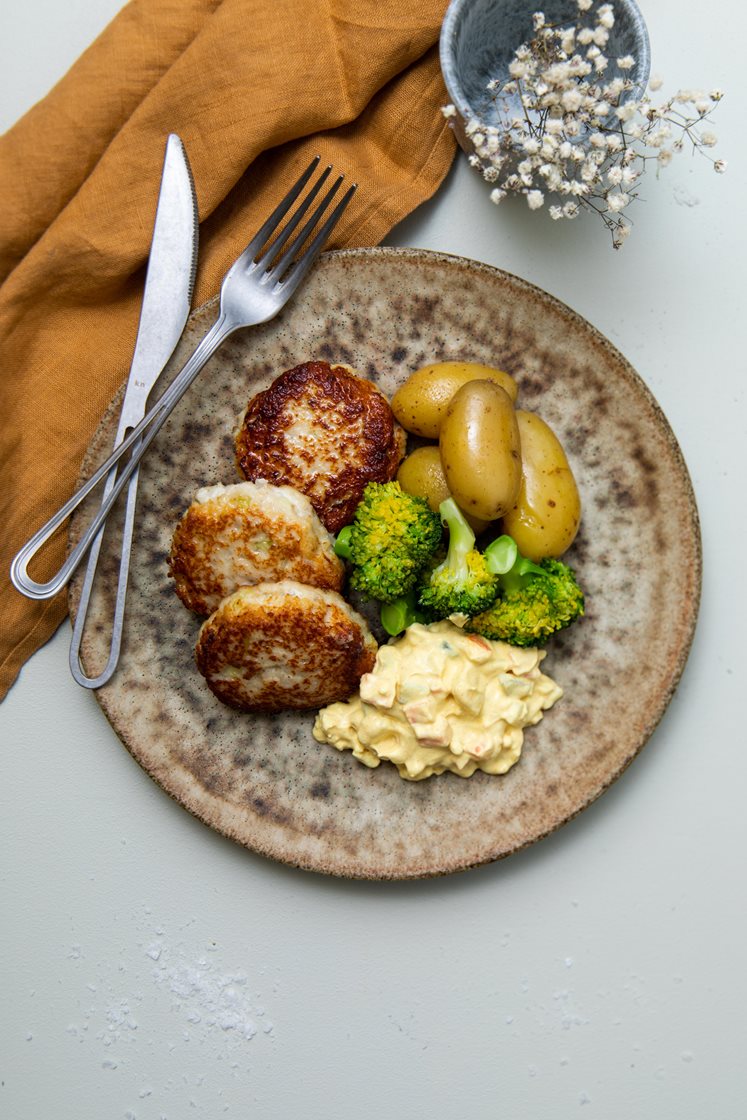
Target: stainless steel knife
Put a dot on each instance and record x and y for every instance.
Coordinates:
(167, 298)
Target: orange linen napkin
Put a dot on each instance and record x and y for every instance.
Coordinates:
(254, 88)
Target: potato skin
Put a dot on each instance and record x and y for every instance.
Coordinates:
(546, 515)
(422, 474)
(420, 404)
(481, 450)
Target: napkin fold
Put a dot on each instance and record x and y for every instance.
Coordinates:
(254, 88)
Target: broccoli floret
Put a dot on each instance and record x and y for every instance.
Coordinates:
(534, 601)
(397, 616)
(392, 537)
(462, 583)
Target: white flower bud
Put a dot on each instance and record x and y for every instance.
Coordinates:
(535, 199)
(617, 202)
(572, 100)
(606, 16)
(518, 69)
(621, 232)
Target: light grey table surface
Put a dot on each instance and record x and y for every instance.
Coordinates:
(153, 969)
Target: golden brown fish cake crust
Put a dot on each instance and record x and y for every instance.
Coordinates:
(284, 645)
(325, 430)
(247, 534)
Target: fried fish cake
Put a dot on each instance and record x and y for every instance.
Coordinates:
(284, 645)
(250, 532)
(325, 430)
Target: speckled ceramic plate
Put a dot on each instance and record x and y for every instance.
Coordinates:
(264, 781)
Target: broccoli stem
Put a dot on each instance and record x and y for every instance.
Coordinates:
(397, 616)
(342, 542)
(504, 560)
(461, 537)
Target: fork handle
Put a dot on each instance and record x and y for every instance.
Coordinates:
(148, 428)
(76, 667)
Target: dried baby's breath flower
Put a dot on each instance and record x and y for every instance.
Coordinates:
(606, 15)
(573, 127)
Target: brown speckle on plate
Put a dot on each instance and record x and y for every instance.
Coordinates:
(263, 780)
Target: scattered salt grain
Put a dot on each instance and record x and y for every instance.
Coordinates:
(208, 997)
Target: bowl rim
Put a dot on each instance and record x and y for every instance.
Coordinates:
(447, 39)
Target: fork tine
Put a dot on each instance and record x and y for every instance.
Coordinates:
(284, 262)
(274, 250)
(304, 263)
(276, 217)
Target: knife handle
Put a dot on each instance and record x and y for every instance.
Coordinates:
(115, 646)
(148, 428)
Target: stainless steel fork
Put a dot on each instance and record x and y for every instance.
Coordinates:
(256, 287)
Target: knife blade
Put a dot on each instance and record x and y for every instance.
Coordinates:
(167, 297)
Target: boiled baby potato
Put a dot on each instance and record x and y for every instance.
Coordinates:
(546, 515)
(481, 450)
(421, 474)
(420, 404)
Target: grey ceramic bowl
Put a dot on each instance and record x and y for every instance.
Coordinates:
(479, 37)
